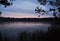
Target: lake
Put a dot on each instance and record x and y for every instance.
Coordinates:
(11, 29)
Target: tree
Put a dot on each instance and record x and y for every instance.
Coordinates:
(5, 3)
(54, 3)
(39, 10)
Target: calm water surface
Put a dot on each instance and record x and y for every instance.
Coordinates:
(12, 28)
(23, 26)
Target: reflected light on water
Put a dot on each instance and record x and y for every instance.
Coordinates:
(24, 25)
(11, 29)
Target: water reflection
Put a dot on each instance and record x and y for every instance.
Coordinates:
(24, 25)
(10, 29)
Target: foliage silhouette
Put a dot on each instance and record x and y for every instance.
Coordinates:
(5, 3)
(54, 3)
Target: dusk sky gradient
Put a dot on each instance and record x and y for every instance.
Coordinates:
(23, 9)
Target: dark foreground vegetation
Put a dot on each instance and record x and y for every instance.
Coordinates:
(53, 34)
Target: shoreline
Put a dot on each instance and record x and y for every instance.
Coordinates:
(7, 19)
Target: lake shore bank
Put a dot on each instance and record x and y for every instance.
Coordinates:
(7, 19)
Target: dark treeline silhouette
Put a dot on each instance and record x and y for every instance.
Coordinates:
(52, 34)
(2, 19)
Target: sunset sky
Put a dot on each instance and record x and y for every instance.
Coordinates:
(23, 9)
